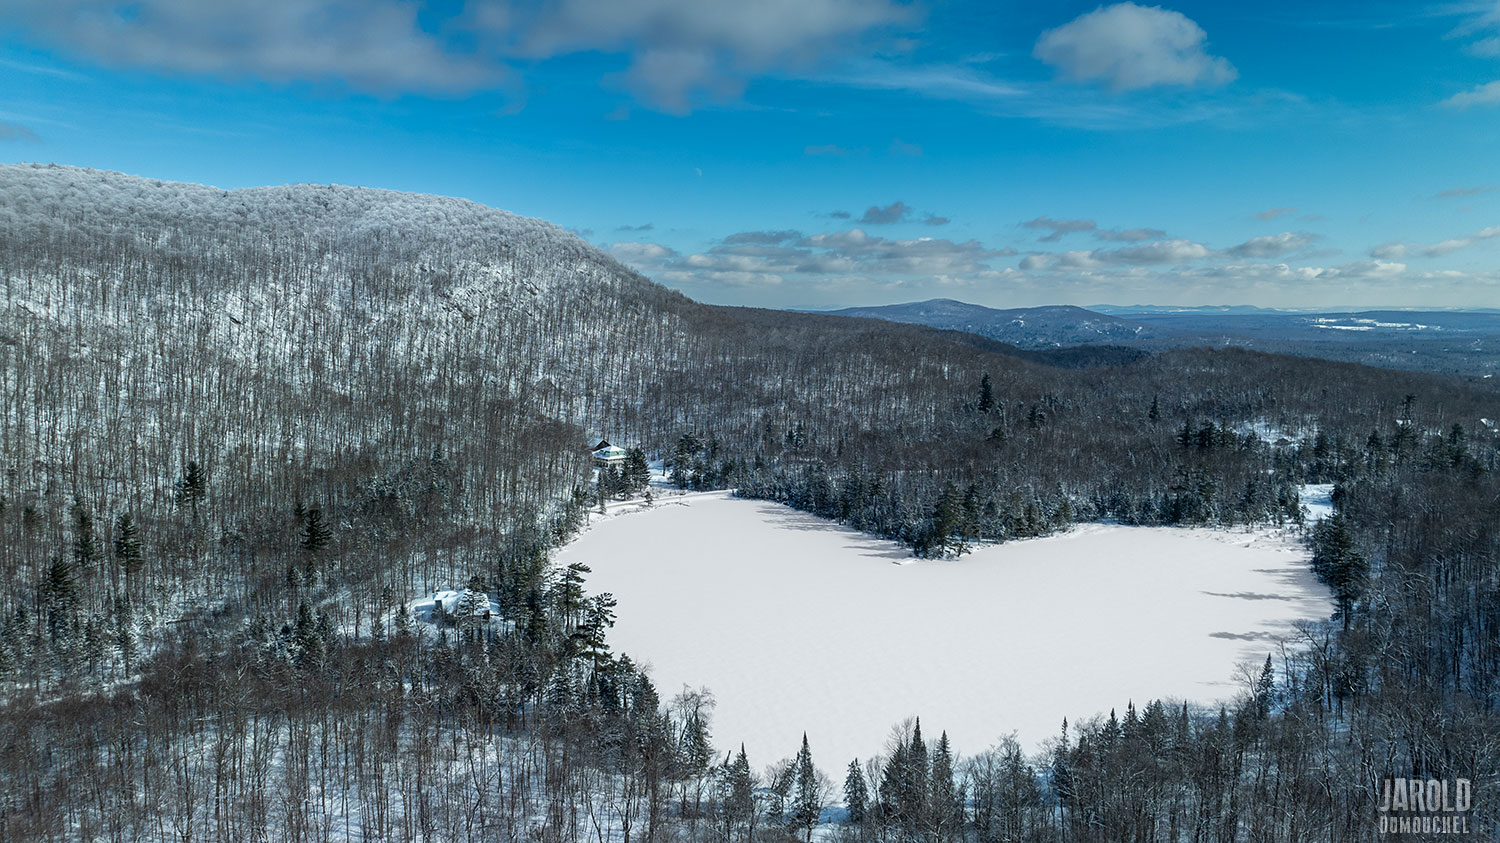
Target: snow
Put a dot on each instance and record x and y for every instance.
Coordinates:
(1317, 501)
(795, 623)
(423, 610)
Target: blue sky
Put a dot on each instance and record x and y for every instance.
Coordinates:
(822, 153)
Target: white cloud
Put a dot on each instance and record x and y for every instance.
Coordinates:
(1394, 251)
(1127, 46)
(1176, 251)
(1130, 235)
(1059, 228)
(1465, 192)
(753, 258)
(1486, 94)
(1163, 251)
(372, 45)
(892, 213)
(1487, 47)
(641, 253)
(1448, 247)
(16, 132)
(1272, 213)
(681, 49)
(1272, 245)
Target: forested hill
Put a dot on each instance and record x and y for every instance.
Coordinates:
(1027, 327)
(240, 430)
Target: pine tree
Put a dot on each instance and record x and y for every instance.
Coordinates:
(916, 791)
(986, 394)
(739, 807)
(856, 793)
(60, 598)
(306, 632)
(947, 522)
(315, 531)
(406, 627)
(567, 595)
(1154, 413)
(127, 545)
(1338, 563)
(590, 638)
(192, 488)
(945, 807)
(85, 548)
(1265, 688)
(807, 806)
(637, 470)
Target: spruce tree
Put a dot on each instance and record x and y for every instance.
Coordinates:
(192, 488)
(807, 806)
(739, 806)
(637, 470)
(1338, 563)
(127, 545)
(1265, 688)
(986, 394)
(315, 531)
(85, 548)
(856, 793)
(916, 790)
(945, 808)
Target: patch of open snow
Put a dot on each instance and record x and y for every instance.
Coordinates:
(1317, 501)
(795, 623)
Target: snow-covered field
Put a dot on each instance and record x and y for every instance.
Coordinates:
(797, 624)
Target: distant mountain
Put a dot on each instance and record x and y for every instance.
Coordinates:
(1455, 341)
(1026, 327)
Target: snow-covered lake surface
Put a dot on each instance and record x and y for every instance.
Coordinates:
(795, 623)
(1317, 501)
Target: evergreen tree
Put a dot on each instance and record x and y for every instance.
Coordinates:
(1154, 413)
(406, 626)
(306, 632)
(590, 638)
(567, 595)
(637, 475)
(945, 808)
(986, 395)
(1265, 688)
(739, 806)
(807, 805)
(947, 523)
(916, 771)
(192, 488)
(60, 599)
(315, 531)
(1338, 563)
(856, 793)
(85, 548)
(127, 545)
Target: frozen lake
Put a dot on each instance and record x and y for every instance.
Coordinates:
(798, 624)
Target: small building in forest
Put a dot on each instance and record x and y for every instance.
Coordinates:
(606, 454)
(463, 608)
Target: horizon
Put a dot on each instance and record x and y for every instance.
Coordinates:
(839, 153)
